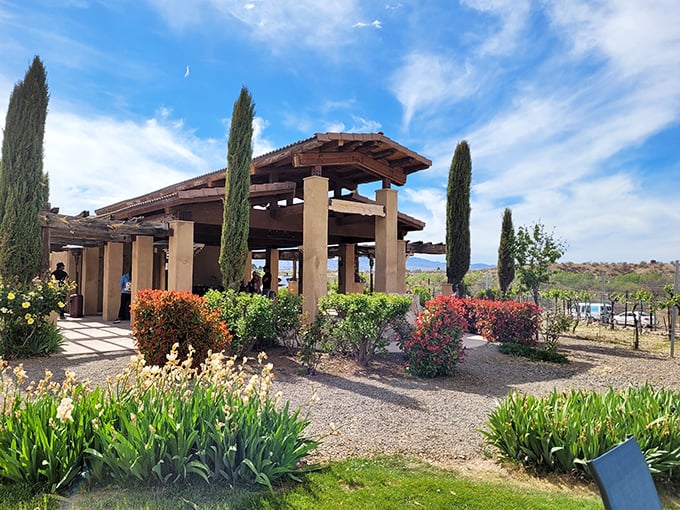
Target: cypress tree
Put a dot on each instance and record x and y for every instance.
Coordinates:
(458, 217)
(506, 257)
(236, 222)
(23, 185)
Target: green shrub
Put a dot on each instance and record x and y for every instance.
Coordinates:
(358, 324)
(435, 347)
(554, 324)
(287, 317)
(163, 318)
(152, 425)
(563, 430)
(25, 328)
(531, 352)
(250, 318)
(423, 293)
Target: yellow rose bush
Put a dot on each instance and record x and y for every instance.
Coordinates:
(24, 311)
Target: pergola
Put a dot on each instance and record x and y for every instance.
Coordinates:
(304, 202)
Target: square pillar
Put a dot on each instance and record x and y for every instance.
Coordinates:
(346, 268)
(90, 281)
(181, 256)
(386, 253)
(142, 264)
(248, 270)
(401, 267)
(314, 243)
(113, 270)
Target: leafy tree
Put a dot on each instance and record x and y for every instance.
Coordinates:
(458, 216)
(535, 251)
(506, 260)
(236, 223)
(24, 188)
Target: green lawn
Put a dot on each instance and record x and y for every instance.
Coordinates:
(384, 483)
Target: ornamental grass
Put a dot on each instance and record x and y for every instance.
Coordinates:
(563, 430)
(157, 425)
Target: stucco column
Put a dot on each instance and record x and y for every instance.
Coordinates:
(346, 270)
(181, 255)
(314, 243)
(90, 280)
(248, 270)
(401, 266)
(386, 259)
(142, 264)
(113, 270)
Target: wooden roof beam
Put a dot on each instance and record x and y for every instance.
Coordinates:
(377, 168)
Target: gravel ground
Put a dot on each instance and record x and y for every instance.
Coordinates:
(380, 409)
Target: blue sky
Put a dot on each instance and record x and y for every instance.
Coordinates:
(571, 108)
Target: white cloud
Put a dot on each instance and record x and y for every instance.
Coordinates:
(96, 161)
(375, 24)
(427, 82)
(512, 16)
(309, 23)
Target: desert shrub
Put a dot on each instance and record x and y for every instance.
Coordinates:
(25, 328)
(563, 430)
(554, 324)
(155, 425)
(163, 318)
(505, 321)
(531, 352)
(250, 318)
(287, 318)
(358, 324)
(435, 346)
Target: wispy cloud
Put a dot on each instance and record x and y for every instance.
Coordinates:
(511, 17)
(374, 24)
(426, 82)
(281, 24)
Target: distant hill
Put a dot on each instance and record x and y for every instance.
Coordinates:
(412, 264)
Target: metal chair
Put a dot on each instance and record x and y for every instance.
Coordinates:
(624, 480)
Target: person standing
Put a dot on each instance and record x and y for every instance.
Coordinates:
(125, 297)
(266, 281)
(60, 275)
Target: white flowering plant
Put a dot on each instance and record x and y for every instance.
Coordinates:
(176, 423)
(24, 312)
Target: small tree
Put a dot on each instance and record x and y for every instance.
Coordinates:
(458, 216)
(23, 185)
(236, 223)
(535, 251)
(506, 259)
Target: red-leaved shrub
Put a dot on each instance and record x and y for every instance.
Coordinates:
(505, 321)
(436, 345)
(162, 318)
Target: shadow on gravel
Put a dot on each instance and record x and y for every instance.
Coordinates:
(618, 351)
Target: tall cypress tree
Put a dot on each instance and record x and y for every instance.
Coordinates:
(506, 257)
(236, 222)
(23, 185)
(458, 217)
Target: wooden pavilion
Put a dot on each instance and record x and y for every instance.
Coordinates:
(305, 205)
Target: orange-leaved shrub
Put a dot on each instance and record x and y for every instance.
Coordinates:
(436, 344)
(165, 317)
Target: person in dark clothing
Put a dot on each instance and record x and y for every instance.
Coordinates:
(125, 298)
(60, 275)
(266, 281)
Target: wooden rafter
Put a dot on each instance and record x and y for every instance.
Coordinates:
(376, 167)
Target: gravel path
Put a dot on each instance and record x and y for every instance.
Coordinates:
(381, 409)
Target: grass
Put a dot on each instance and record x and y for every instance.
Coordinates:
(650, 340)
(383, 483)
(532, 353)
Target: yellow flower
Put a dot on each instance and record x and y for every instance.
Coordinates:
(60, 304)
(25, 304)
(10, 295)
(30, 321)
